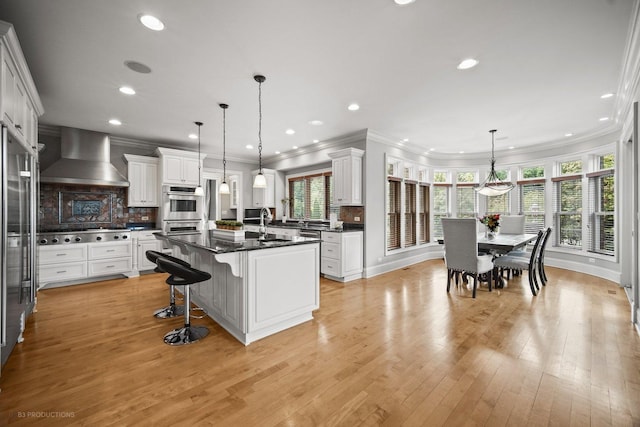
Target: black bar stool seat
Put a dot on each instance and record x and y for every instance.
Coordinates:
(182, 275)
(172, 310)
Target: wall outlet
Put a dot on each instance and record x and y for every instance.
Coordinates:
(356, 218)
(144, 218)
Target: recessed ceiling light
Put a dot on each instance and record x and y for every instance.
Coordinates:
(315, 141)
(467, 63)
(353, 107)
(511, 147)
(193, 136)
(277, 152)
(127, 90)
(151, 22)
(461, 152)
(295, 147)
(606, 95)
(603, 119)
(406, 140)
(289, 131)
(403, 2)
(426, 152)
(432, 149)
(568, 134)
(316, 122)
(400, 144)
(249, 147)
(115, 122)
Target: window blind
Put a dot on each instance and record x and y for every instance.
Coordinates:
(440, 208)
(498, 204)
(393, 213)
(601, 201)
(466, 201)
(310, 196)
(423, 214)
(568, 211)
(531, 204)
(409, 213)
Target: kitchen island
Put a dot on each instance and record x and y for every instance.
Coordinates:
(258, 287)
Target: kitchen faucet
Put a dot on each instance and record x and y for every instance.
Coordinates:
(262, 230)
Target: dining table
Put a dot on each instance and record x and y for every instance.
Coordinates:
(500, 244)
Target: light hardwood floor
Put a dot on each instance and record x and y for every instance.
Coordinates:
(393, 350)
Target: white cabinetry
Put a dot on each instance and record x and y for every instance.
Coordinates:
(62, 262)
(144, 241)
(346, 168)
(284, 231)
(235, 192)
(342, 255)
(179, 167)
(20, 104)
(142, 173)
(109, 258)
(265, 197)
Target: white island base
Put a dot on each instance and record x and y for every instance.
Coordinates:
(257, 293)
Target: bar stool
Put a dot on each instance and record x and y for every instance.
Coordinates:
(172, 310)
(183, 276)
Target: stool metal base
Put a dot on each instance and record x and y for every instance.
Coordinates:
(169, 311)
(186, 335)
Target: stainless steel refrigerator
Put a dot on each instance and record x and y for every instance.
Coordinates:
(19, 189)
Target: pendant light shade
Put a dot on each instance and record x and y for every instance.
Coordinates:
(492, 186)
(224, 187)
(199, 190)
(260, 181)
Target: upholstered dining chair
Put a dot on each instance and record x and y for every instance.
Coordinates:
(512, 224)
(461, 251)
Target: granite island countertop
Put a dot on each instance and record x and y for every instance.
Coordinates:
(206, 240)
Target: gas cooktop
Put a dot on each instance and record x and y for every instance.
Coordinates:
(86, 236)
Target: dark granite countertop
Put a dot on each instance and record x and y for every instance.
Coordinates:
(206, 240)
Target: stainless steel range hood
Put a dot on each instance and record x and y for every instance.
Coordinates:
(85, 159)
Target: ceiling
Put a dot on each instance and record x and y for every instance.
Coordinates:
(543, 66)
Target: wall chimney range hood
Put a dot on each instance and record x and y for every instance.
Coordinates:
(85, 159)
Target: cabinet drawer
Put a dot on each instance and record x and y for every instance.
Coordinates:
(62, 271)
(331, 237)
(109, 266)
(62, 253)
(330, 266)
(331, 250)
(146, 235)
(109, 250)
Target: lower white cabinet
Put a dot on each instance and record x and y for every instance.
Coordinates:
(62, 262)
(109, 258)
(144, 241)
(342, 256)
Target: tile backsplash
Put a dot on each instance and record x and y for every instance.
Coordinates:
(76, 207)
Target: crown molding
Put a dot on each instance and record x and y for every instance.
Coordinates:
(339, 141)
(629, 82)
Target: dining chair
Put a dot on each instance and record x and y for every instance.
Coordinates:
(516, 262)
(461, 251)
(541, 272)
(512, 224)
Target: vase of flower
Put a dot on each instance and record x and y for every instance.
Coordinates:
(491, 223)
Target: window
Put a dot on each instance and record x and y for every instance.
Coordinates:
(410, 219)
(602, 207)
(466, 199)
(393, 213)
(310, 196)
(531, 189)
(423, 214)
(440, 208)
(568, 208)
(500, 204)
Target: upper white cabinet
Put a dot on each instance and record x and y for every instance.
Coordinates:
(20, 105)
(265, 197)
(142, 173)
(179, 167)
(347, 177)
(235, 192)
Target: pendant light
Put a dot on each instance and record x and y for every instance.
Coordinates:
(224, 187)
(260, 181)
(199, 190)
(492, 186)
